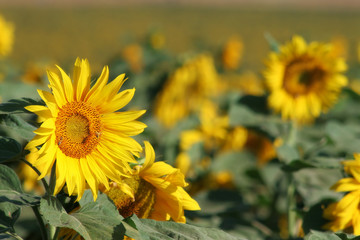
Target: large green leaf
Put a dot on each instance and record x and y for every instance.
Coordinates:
(314, 184)
(317, 235)
(9, 212)
(151, 229)
(287, 153)
(19, 198)
(344, 137)
(17, 105)
(94, 220)
(9, 180)
(9, 148)
(12, 124)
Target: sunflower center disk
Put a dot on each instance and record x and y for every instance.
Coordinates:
(144, 198)
(302, 76)
(78, 129)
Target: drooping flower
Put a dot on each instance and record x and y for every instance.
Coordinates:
(345, 214)
(156, 191)
(6, 37)
(82, 133)
(304, 79)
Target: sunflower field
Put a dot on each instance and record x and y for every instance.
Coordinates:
(154, 142)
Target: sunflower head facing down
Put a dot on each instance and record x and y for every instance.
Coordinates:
(82, 132)
(304, 79)
(155, 191)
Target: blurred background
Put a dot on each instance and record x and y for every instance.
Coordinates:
(61, 30)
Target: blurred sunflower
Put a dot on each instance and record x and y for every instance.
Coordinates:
(304, 79)
(345, 213)
(232, 53)
(247, 82)
(90, 142)
(28, 175)
(6, 37)
(186, 90)
(133, 55)
(156, 191)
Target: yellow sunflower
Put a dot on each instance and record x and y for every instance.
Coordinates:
(187, 89)
(304, 79)
(6, 37)
(81, 133)
(345, 213)
(157, 191)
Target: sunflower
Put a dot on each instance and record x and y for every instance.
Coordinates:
(304, 79)
(157, 191)
(6, 37)
(186, 90)
(90, 142)
(345, 213)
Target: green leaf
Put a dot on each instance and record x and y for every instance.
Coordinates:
(242, 115)
(287, 153)
(11, 123)
(316, 235)
(344, 137)
(9, 148)
(94, 220)
(274, 45)
(18, 198)
(314, 184)
(17, 105)
(9, 212)
(296, 165)
(9, 180)
(151, 229)
(345, 236)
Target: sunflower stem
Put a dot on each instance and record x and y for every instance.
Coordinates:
(44, 234)
(46, 186)
(52, 180)
(291, 208)
(291, 201)
(291, 138)
(52, 229)
(14, 235)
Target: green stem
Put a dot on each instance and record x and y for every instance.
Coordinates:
(14, 235)
(52, 229)
(291, 201)
(46, 186)
(291, 208)
(44, 234)
(291, 138)
(52, 180)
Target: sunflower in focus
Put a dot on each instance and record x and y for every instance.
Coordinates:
(83, 131)
(6, 37)
(345, 214)
(304, 80)
(156, 191)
